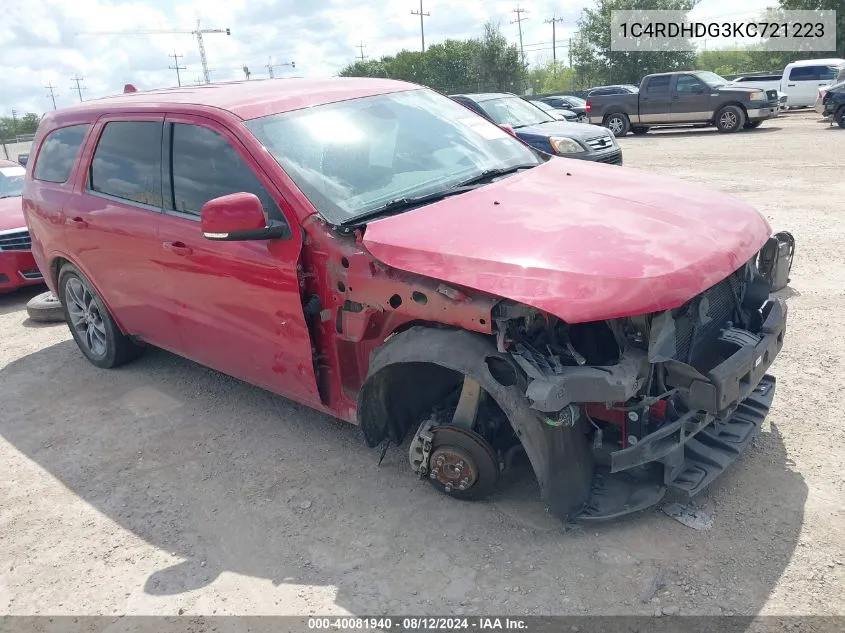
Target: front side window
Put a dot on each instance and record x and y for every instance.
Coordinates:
(58, 153)
(355, 156)
(205, 166)
(127, 162)
(803, 73)
(686, 84)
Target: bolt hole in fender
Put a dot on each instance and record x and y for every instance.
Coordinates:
(444, 386)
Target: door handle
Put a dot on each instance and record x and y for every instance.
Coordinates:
(790, 85)
(177, 247)
(78, 223)
(675, 98)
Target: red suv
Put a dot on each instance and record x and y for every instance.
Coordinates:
(17, 267)
(375, 251)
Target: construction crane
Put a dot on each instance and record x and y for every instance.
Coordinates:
(197, 33)
(270, 66)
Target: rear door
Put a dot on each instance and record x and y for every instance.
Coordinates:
(690, 100)
(238, 303)
(112, 224)
(803, 84)
(655, 100)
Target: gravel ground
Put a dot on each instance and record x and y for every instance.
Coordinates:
(165, 488)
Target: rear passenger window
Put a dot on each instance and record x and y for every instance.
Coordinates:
(658, 84)
(206, 166)
(127, 162)
(58, 153)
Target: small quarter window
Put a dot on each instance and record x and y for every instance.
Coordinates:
(58, 153)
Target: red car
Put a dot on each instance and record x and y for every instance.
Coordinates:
(17, 267)
(373, 250)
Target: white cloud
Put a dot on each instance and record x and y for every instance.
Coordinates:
(50, 41)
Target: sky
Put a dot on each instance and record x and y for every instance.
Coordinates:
(49, 42)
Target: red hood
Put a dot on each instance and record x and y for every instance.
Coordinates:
(601, 243)
(11, 214)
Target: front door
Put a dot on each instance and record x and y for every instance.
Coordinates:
(238, 303)
(112, 225)
(655, 104)
(690, 100)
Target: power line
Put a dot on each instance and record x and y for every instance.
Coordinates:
(553, 20)
(519, 11)
(51, 88)
(79, 88)
(361, 46)
(422, 27)
(177, 67)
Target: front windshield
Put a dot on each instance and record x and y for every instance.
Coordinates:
(711, 79)
(514, 111)
(355, 156)
(11, 181)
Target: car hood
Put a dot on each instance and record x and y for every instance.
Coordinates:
(577, 131)
(11, 214)
(579, 240)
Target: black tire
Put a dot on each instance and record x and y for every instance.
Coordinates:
(750, 125)
(618, 123)
(639, 131)
(45, 308)
(839, 117)
(730, 119)
(90, 323)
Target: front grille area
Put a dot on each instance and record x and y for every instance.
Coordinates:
(705, 316)
(612, 159)
(599, 143)
(772, 95)
(16, 241)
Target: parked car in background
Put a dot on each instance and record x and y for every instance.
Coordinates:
(372, 250)
(831, 103)
(567, 102)
(17, 266)
(23, 158)
(683, 98)
(622, 89)
(557, 114)
(537, 128)
(801, 80)
(770, 83)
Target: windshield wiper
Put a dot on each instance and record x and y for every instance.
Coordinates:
(407, 202)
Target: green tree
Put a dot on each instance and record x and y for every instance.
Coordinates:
(497, 64)
(368, 68)
(449, 65)
(27, 124)
(594, 58)
(819, 5)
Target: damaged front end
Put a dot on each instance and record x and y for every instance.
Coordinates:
(666, 400)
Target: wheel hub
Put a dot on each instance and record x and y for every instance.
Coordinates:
(453, 467)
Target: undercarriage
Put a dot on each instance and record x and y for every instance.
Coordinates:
(611, 414)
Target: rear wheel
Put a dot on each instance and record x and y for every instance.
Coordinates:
(618, 123)
(639, 131)
(90, 323)
(730, 119)
(839, 117)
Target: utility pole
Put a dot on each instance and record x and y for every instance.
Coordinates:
(553, 22)
(422, 27)
(246, 72)
(270, 66)
(200, 81)
(14, 121)
(519, 11)
(51, 88)
(177, 67)
(76, 78)
(361, 46)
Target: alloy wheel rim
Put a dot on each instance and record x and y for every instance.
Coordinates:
(85, 317)
(728, 120)
(615, 125)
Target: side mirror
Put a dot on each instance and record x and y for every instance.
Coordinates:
(507, 128)
(238, 217)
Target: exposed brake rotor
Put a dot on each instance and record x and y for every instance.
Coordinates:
(462, 463)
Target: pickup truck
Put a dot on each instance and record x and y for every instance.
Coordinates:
(683, 98)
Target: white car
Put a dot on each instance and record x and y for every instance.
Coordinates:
(764, 82)
(801, 80)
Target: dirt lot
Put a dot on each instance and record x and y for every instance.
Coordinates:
(164, 487)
